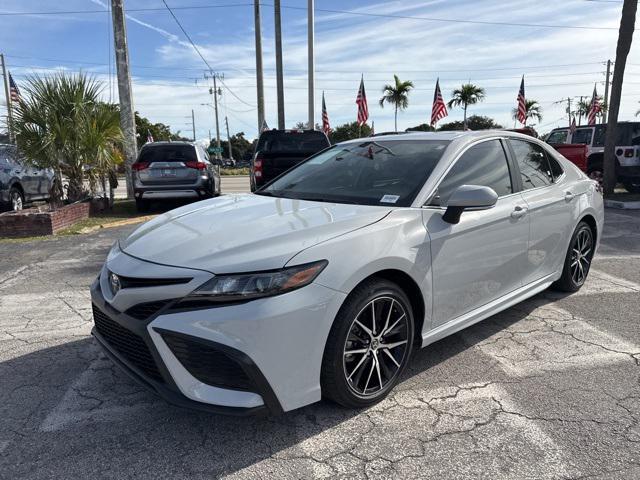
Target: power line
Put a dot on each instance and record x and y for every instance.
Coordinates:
(325, 10)
(187, 35)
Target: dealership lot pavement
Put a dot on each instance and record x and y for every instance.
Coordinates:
(547, 389)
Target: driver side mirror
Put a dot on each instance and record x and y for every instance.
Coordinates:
(468, 197)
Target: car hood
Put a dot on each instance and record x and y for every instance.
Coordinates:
(240, 233)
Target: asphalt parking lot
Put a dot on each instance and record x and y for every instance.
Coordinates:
(547, 389)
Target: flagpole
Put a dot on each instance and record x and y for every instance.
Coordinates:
(8, 96)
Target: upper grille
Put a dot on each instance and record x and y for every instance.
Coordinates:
(131, 282)
(127, 343)
(142, 311)
(208, 364)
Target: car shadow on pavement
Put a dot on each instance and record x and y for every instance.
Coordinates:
(67, 408)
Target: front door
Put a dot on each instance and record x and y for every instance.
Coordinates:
(484, 256)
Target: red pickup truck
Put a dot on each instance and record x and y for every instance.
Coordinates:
(585, 148)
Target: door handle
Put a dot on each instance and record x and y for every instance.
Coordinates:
(519, 211)
(568, 196)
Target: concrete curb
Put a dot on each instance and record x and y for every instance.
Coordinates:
(622, 205)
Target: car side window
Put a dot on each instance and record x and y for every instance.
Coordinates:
(533, 162)
(582, 136)
(484, 164)
(558, 137)
(556, 168)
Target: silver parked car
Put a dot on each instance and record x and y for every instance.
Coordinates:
(323, 282)
(171, 170)
(20, 183)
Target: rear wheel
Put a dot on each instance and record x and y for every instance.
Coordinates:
(369, 345)
(595, 173)
(16, 199)
(578, 260)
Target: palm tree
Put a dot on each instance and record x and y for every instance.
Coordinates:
(397, 95)
(534, 111)
(467, 94)
(625, 36)
(61, 124)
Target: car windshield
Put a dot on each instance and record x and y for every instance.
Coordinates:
(386, 172)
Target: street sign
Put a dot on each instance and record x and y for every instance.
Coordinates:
(214, 150)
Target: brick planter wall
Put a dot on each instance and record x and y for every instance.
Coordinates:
(40, 221)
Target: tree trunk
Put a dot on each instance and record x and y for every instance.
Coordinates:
(625, 35)
(396, 119)
(464, 125)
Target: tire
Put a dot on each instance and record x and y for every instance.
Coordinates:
(575, 274)
(16, 199)
(142, 206)
(345, 378)
(596, 173)
(632, 187)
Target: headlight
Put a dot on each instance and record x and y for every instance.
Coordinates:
(247, 286)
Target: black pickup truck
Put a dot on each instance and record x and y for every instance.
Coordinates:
(279, 150)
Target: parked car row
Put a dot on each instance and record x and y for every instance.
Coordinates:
(19, 182)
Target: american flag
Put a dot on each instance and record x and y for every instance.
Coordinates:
(326, 126)
(572, 126)
(439, 108)
(149, 137)
(522, 104)
(361, 101)
(13, 89)
(595, 107)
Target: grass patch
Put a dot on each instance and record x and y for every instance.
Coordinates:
(234, 171)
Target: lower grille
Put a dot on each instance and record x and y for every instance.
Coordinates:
(127, 343)
(142, 311)
(208, 364)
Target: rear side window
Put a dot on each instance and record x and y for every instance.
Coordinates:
(168, 153)
(557, 137)
(292, 142)
(533, 162)
(484, 164)
(582, 136)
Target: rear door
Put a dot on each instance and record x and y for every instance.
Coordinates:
(549, 201)
(483, 257)
(169, 165)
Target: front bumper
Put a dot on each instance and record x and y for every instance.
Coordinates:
(272, 347)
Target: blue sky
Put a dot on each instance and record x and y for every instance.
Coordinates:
(168, 74)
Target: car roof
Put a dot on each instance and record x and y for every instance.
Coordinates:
(164, 142)
(443, 136)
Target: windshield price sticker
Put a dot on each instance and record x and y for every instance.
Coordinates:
(389, 199)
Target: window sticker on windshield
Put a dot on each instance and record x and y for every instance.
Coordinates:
(389, 198)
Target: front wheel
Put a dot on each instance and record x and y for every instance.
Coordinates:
(369, 345)
(16, 198)
(578, 260)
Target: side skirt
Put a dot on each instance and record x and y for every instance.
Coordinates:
(479, 314)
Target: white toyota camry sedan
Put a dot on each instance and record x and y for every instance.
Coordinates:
(323, 282)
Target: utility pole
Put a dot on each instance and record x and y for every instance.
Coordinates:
(193, 124)
(127, 116)
(226, 121)
(7, 92)
(259, 77)
(279, 72)
(569, 108)
(214, 91)
(606, 92)
(580, 104)
(311, 68)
